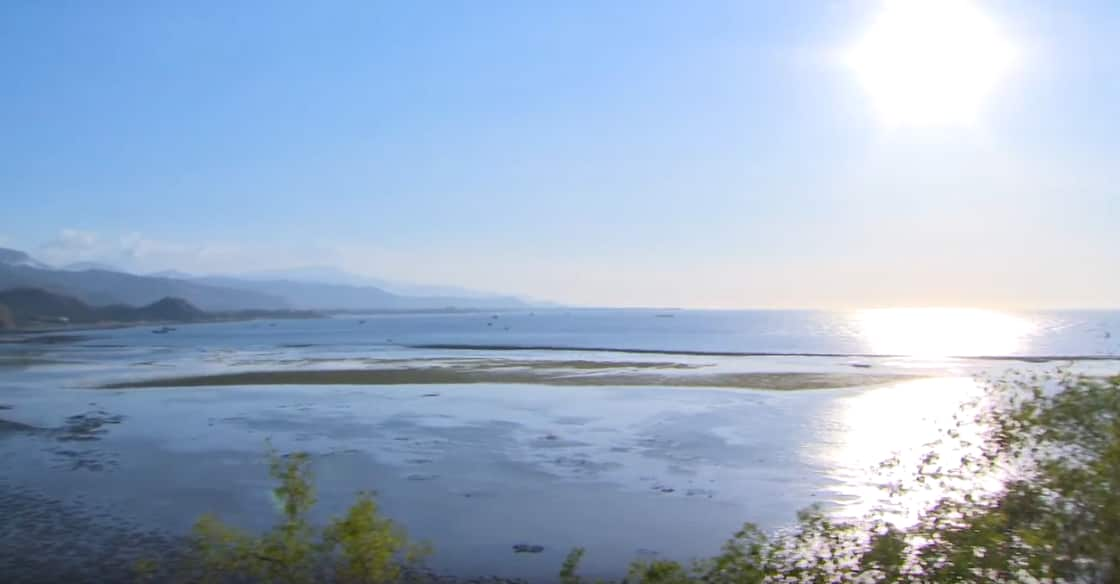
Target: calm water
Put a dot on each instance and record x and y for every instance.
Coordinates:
(916, 332)
(624, 471)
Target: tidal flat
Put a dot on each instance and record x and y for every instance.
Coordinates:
(113, 445)
(535, 372)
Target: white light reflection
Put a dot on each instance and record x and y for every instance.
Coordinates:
(903, 420)
(943, 332)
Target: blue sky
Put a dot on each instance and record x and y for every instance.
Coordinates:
(709, 154)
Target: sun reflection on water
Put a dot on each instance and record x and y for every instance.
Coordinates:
(904, 420)
(942, 332)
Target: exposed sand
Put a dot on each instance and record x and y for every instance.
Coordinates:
(559, 373)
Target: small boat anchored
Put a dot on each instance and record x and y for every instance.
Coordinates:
(163, 330)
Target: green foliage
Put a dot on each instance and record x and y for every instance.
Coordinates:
(571, 564)
(1034, 497)
(359, 548)
(145, 570)
(370, 545)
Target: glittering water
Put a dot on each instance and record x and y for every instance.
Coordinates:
(624, 471)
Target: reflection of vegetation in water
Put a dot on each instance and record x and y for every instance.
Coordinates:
(1054, 517)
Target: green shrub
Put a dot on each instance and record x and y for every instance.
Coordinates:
(1049, 451)
(360, 547)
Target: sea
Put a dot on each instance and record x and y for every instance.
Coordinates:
(547, 458)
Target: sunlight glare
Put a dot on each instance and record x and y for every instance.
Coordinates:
(904, 420)
(930, 62)
(942, 332)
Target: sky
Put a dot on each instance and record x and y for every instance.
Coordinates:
(625, 153)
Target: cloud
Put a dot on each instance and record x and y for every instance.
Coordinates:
(72, 245)
(74, 239)
(140, 253)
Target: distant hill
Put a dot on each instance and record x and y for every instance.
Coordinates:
(331, 275)
(103, 287)
(34, 306)
(320, 296)
(176, 274)
(91, 284)
(13, 257)
(83, 266)
(167, 309)
(29, 305)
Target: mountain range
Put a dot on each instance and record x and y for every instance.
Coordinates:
(100, 285)
(27, 306)
(32, 307)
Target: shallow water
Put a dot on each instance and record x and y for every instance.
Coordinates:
(623, 471)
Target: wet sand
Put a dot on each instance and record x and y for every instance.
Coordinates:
(552, 373)
(46, 539)
(475, 470)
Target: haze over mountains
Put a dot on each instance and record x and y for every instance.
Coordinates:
(314, 289)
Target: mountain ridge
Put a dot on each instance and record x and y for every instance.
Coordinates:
(24, 307)
(96, 286)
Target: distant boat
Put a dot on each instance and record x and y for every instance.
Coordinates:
(163, 330)
(664, 315)
(860, 364)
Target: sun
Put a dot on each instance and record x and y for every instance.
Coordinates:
(931, 62)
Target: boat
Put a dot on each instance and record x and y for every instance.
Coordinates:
(163, 330)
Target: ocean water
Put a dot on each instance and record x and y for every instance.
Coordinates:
(889, 332)
(626, 472)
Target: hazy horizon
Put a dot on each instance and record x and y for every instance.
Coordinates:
(719, 155)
